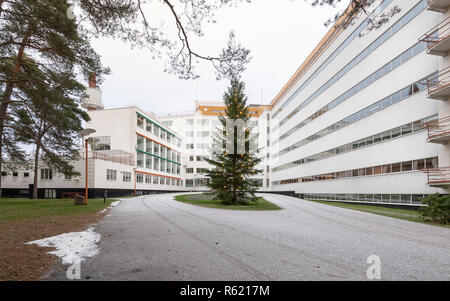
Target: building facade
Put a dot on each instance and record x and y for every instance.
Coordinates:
(356, 121)
(198, 130)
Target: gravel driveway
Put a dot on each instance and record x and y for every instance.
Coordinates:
(157, 238)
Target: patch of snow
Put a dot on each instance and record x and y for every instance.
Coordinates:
(72, 247)
(114, 204)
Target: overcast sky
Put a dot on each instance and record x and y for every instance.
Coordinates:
(279, 33)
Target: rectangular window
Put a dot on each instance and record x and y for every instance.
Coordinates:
(407, 166)
(139, 178)
(26, 174)
(432, 163)
(50, 193)
(189, 170)
(140, 143)
(148, 161)
(148, 179)
(46, 174)
(396, 167)
(111, 175)
(140, 121)
(126, 176)
(149, 146)
(419, 164)
(140, 159)
(148, 126)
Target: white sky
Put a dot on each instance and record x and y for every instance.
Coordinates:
(279, 33)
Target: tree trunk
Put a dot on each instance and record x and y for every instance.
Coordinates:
(7, 96)
(36, 171)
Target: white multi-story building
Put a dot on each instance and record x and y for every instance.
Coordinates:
(353, 123)
(198, 129)
(130, 152)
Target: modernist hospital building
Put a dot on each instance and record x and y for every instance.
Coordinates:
(366, 118)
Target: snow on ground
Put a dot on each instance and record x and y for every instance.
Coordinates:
(113, 204)
(72, 247)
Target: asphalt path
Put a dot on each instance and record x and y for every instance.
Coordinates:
(157, 238)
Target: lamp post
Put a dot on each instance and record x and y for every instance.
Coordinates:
(134, 171)
(82, 134)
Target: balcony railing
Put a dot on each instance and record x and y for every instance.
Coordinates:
(439, 85)
(439, 130)
(438, 5)
(116, 156)
(437, 38)
(438, 176)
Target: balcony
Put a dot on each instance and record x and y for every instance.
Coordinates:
(439, 177)
(439, 131)
(439, 85)
(438, 38)
(438, 5)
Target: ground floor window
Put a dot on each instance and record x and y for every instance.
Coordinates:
(140, 178)
(111, 175)
(126, 176)
(397, 199)
(50, 193)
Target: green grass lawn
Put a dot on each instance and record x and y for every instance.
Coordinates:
(405, 214)
(207, 201)
(15, 209)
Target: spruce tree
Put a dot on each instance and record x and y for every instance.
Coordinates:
(234, 157)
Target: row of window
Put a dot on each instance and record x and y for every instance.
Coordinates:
(157, 180)
(395, 63)
(385, 136)
(157, 130)
(154, 148)
(198, 170)
(197, 182)
(378, 106)
(15, 174)
(341, 47)
(198, 158)
(372, 47)
(406, 166)
(46, 174)
(204, 181)
(398, 199)
(155, 163)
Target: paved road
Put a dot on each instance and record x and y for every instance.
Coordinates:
(157, 238)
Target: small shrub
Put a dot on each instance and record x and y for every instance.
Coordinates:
(437, 209)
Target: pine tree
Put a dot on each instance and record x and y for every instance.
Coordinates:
(234, 157)
(50, 119)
